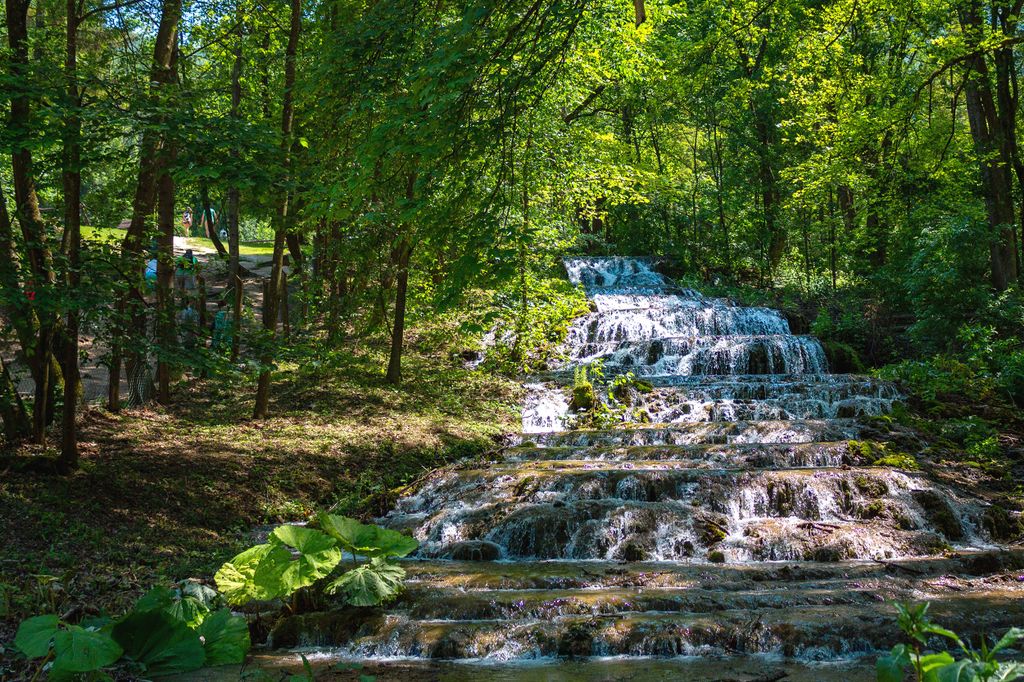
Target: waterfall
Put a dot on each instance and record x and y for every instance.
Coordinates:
(727, 513)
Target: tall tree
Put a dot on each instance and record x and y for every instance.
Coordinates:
(283, 219)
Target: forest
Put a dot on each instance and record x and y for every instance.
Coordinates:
(294, 281)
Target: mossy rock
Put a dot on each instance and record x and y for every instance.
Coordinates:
(939, 514)
(634, 551)
(711, 530)
(326, 628)
(716, 557)
(1000, 524)
(577, 641)
(842, 358)
(475, 550)
(583, 397)
(872, 510)
(871, 487)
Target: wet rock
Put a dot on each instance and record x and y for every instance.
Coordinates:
(475, 550)
(716, 556)
(583, 397)
(1000, 524)
(939, 514)
(327, 628)
(577, 641)
(870, 486)
(633, 550)
(711, 529)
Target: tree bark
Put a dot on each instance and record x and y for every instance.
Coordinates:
(30, 218)
(165, 319)
(993, 149)
(211, 229)
(72, 185)
(270, 302)
(233, 193)
(151, 158)
(12, 409)
(401, 260)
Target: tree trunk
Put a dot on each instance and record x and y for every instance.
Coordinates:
(233, 193)
(993, 151)
(165, 310)
(151, 158)
(30, 218)
(270, 302)
(12, 409)
(401, 260)
(211, 229)
(72, 181)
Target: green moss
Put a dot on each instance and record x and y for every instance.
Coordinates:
(873, 509)
(842, 358)
(583, 397)
(711, 530)
(880, 454)
(1000, 524)
(939, 514)
(716, 557)
(872, 487)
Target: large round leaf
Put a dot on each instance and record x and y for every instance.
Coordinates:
(318, 555)
(367, 540)
(225, 638)
(254, 574)
(79, 650)
(34, 635)
(370, 584)
(161, 643)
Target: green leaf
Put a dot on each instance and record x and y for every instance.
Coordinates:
(157, 599)
(80, 651)
(890, 668)
(318, 555)
(367, 540)
(957, 672)
(370, 584)
(34, 635)
(159, 642)
(189, 611)
(225, 638)
(254, 574)
(1009, 639)
(930, 662)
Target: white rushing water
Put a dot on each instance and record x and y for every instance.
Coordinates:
(659, 535)
(752, 366)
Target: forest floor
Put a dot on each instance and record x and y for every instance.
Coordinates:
(168, 493)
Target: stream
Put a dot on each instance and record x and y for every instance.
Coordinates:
(723, 528)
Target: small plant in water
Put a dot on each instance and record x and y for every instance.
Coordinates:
(976, 665)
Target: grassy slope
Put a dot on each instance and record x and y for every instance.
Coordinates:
(166, 494)
(244, 248)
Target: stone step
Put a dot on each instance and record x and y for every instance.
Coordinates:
(740, 456)
(812, 631)
(991, 567)
(723, 432)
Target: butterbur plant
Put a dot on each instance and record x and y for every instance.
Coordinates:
(168, 631)
(296, 556)
(975, 665)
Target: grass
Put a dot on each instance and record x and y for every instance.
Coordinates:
(244, 248)
(167, 493)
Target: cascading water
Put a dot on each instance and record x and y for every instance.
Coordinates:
(735, 518)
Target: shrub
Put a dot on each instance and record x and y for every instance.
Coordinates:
(973, 666)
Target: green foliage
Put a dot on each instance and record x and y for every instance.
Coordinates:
(271, 571)
(168, 631)
(371, 584)
(975, 665)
